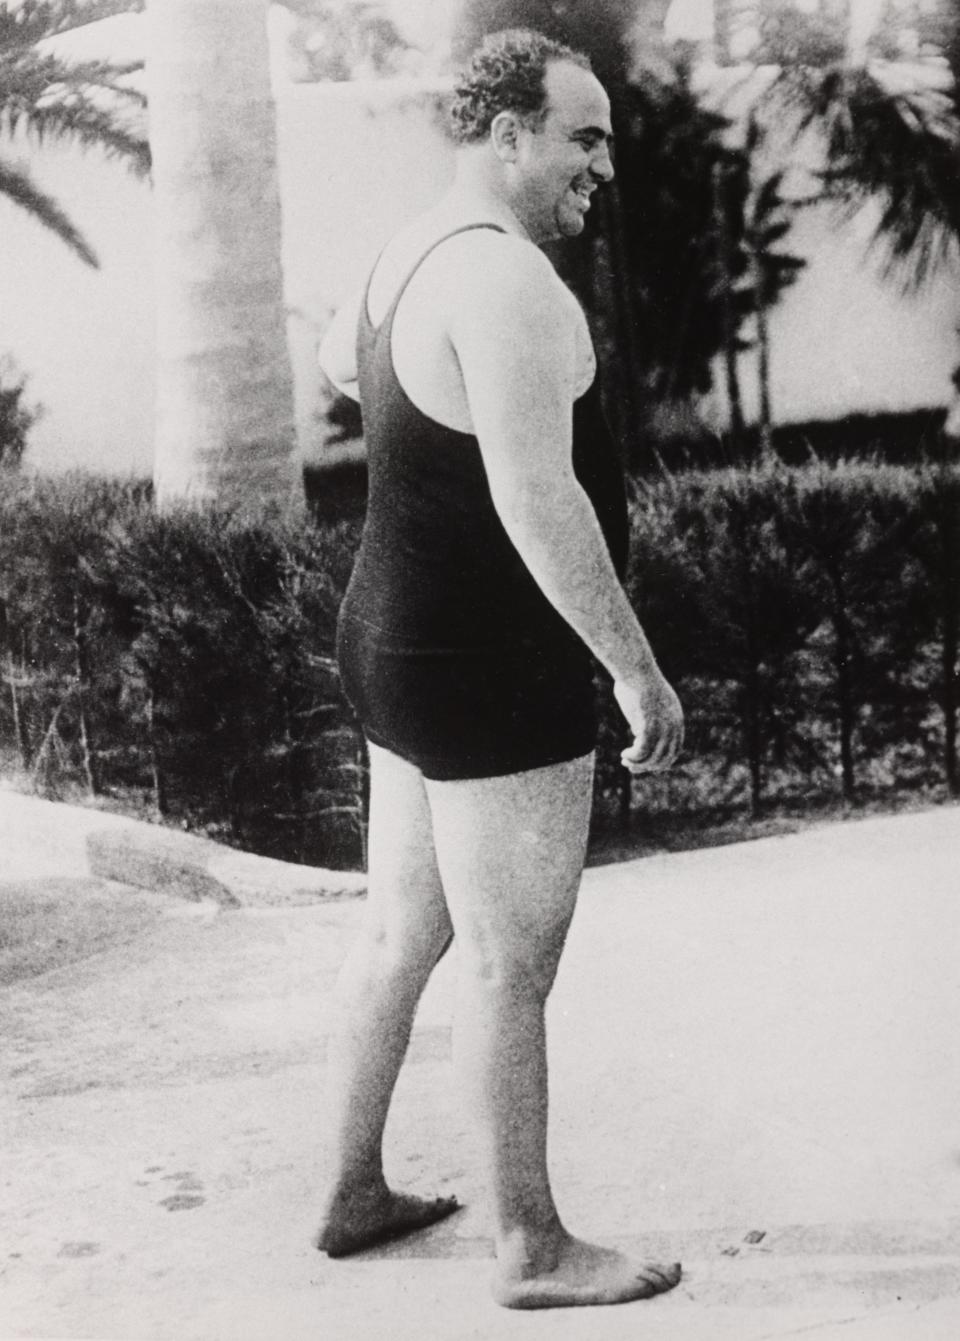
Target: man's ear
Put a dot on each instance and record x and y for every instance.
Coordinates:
(505, 136)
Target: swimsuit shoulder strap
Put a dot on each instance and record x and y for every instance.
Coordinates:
(365, 311)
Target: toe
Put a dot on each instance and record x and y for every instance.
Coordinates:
(447, 1206)
(426, 1213)
(661, 1277)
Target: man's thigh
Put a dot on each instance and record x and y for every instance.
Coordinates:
(511, 851)
(405, 893)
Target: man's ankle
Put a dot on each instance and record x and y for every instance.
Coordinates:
(531, 1247)
(357, 1184)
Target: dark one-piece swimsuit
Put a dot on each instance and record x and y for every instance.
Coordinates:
(449, 653)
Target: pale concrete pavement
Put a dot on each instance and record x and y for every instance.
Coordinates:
(754, 1069)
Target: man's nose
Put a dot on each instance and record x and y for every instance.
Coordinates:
(602, 165)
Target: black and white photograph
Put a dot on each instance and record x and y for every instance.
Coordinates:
(479, 670)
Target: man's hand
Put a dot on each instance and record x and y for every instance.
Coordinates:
(655, 717)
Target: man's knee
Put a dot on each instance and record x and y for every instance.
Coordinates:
(516, 971)
(399, 950)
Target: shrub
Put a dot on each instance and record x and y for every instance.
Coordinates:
(934, 552)
(186, 659)
(809, 617)
(59, 645)
(16, 416)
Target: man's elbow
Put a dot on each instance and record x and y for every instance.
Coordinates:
(336, 355)
(534, 508)
(338, 372)
(349, 389)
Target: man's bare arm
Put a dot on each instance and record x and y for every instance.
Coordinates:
(514, 335)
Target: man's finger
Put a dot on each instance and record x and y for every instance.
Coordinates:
(657, 757)
(643, 763)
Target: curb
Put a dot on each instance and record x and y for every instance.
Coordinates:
(47, 838)
(189, 867)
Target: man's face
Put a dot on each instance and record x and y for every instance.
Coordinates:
(561, 161)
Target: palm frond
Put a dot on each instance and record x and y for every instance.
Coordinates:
(79, 13)
(898, 148)
(32, 20)
(82, 103)
(768, 197)
(18, 186)
(81, 122)
(28, 74)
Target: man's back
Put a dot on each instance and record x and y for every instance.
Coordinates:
(459, 286)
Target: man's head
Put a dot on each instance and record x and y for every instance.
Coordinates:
(537, 105)
(507, 73)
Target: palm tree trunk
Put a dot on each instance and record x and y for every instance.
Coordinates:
(225, 418)
(729, 315)
(763, 374)
(732, 374)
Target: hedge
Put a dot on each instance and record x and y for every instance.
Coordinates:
(808, 616)
(183, 662)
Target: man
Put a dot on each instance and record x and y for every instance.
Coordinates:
(495, 526)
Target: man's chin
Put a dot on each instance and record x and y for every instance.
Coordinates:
(572, 225)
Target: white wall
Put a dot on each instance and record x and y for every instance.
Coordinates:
(356, 161)
(84, 337)
(842, 340)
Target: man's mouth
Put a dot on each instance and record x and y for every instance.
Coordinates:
(583, 194)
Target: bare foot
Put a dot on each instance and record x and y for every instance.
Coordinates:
(580, 1273)
(364, 1220)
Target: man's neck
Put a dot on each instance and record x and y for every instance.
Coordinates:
(474, 194)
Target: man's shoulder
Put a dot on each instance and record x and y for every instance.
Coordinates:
(505, 255)
(497, 270)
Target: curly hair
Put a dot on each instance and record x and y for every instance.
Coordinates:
(505, 73)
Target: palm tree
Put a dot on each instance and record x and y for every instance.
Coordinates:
(887, 141)
(225, 423)
(49, 98)
(768, 218)
(609, 31)
(730, 180)
(682, 191)
(344, 39)
(768, 222)
(16, 416)
(888, 131)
